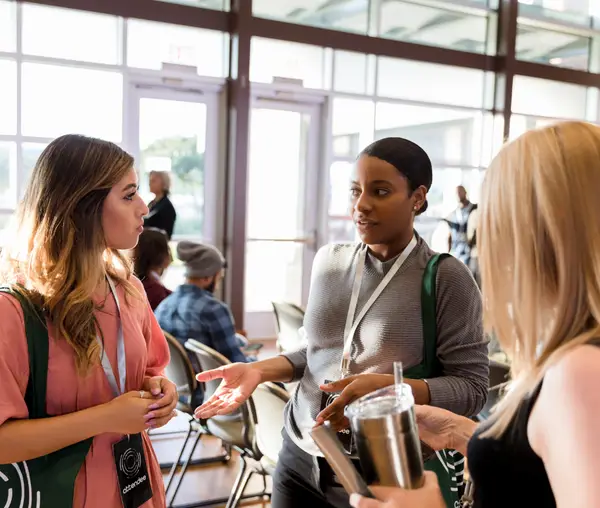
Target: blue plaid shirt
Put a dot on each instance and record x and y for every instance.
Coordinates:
(194, 313)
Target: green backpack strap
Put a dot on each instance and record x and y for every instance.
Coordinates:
(51, 478)
(429, 315)
(37, 347)
(430, 365)
(446, 464)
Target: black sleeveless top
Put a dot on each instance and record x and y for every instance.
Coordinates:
(506, 472)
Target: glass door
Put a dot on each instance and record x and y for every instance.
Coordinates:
(175, 131)
(282, 208)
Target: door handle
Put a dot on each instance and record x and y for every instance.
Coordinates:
(311, 239)
(307, 240)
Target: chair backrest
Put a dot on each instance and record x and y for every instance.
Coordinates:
(499, 377)
(499, 373)
(268, 401)
(210, 359)
(289, 318)
(180, 370)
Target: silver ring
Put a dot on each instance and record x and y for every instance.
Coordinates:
(141, 394)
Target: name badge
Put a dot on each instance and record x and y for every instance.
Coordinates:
(345, 435)
(132, 472)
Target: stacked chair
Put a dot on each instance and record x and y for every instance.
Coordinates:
(254, 431)
(181, 372)
(499, 377)
(289, 319)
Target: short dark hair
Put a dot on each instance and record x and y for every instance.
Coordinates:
(151, 251)
(408, 158)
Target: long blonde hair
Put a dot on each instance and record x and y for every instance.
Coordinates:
(539, 252)
(58, 255)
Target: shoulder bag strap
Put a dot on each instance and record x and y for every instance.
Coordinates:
(37, 346)
(429, 314)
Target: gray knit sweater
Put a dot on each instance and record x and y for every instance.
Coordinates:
(390, 331)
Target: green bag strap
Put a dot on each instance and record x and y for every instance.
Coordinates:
(37, 346)
(429, 315)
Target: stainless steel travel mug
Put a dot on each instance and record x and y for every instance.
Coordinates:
(387, 437)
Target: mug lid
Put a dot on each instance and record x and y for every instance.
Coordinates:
(381, 402)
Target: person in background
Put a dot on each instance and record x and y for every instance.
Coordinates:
(103, 383)
(151, 257)
(162, 213)
(538, 248)
(458, 244)
(352, 341)
(193, 311)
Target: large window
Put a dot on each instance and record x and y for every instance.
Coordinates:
(8, 173)
(152, 45)
(550, 47)
(56, 86)
(270, 59)
(8, 25)
(51, 32)
(8, 97)
(562, 11)
(420, 81)
(533, 96)
(347, 16)
(440, 25)
(423, 24)
(71, 100)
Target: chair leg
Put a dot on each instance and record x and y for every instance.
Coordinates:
(223, 458)
(240, 485)
(178, 461)
(184, 468)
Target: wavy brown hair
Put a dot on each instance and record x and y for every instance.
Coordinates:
(59, 256)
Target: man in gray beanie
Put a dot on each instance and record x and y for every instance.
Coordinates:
(193, 312)
(202, 263)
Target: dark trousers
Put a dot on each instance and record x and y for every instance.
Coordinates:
(304, 481)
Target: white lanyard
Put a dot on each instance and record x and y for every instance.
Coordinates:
(121, 365)
(351, 323)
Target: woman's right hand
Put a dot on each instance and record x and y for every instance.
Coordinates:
(441, 429)
(128, 413)
(239, 382)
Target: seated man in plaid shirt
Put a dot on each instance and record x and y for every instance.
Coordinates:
(192, 311)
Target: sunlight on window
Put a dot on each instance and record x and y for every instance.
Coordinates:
(72, 100)
(97, 35)
(8, 97)
(8, 174)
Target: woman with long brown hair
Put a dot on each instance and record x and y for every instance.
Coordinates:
(81, 355)
(539, 253)
(151, 257)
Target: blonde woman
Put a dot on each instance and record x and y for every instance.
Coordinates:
(540, 259)
(81, 355)
(162, 213)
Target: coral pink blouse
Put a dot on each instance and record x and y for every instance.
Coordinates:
(147, 354)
